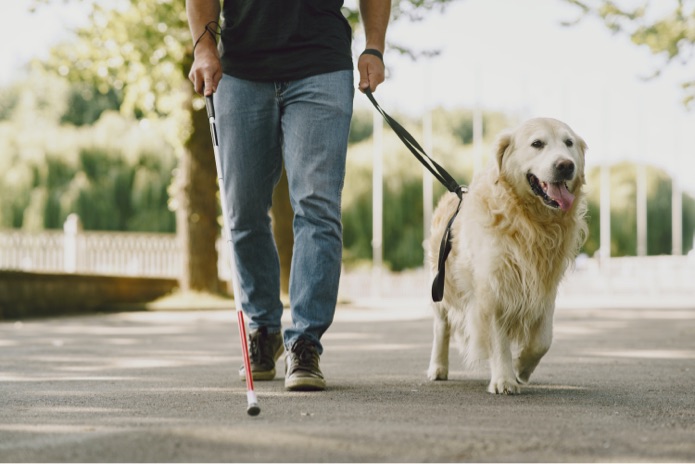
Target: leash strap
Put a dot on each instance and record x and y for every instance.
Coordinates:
(432, 166)
(442, 176)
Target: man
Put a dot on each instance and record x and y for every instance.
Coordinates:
(283, 88)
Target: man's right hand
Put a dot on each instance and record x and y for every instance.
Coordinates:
(206, 71)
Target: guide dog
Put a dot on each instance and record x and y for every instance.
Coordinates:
(520, 225)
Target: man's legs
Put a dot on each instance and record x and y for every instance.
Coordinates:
(315, 125)
(306, 121)
(248, 126)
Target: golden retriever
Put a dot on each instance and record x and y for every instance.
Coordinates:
(520, 226)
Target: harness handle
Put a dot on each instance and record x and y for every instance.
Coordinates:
(443, 177)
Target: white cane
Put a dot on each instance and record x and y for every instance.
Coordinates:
(252, 409)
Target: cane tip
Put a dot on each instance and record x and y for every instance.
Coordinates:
(253, 410)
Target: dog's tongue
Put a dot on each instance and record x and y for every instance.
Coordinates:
(558, 192)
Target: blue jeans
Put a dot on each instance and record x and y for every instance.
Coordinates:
(303, 124)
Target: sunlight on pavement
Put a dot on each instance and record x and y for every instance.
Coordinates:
(44, 378)
(50, 428)
(647, 354)
(377, 347)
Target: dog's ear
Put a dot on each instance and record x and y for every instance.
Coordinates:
(582, 145)
(582, 150)
(504, 141)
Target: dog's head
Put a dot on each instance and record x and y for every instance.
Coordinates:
(543, 160)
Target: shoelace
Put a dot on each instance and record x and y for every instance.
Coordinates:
(259, 351)
(304, 352)
(255, 349)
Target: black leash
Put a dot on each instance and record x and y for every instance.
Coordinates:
(442, 176)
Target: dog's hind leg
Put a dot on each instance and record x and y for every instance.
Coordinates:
(439, 361)
(534, 349)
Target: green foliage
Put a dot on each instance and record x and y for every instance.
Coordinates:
(105, 191)
(113, 174)
(403, 228)
(624, 212)
(9, 98)
(459, 123)
(361, 126)
(86, 104)
(136, 48)
(671, 34)
(415, 10)
(102, 188)
(412, 10)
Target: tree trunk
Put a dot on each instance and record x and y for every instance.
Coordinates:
(196, 213)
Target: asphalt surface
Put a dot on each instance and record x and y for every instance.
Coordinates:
(617, 385)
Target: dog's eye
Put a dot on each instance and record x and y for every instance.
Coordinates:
(569, 142)
(537, 144)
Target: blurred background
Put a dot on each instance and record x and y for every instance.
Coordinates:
(106, 168)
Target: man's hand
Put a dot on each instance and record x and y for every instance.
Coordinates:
(375, 17)
(371, 70)
(206, 71)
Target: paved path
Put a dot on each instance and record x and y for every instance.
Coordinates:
(618, 385)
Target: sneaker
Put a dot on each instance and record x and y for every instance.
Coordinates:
(264, 350)
(302, 371)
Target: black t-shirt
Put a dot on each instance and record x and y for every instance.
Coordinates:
(280, 40)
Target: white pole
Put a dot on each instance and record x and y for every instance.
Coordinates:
(676, 217)
(641, 186)
(641, 209)
(605, 214)
(477, 125)
(605, 197)
(477, 139)
(676, 198)
(377, 203)
(427, 178)
(71, 229)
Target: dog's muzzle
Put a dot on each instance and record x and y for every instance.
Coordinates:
(554, 194)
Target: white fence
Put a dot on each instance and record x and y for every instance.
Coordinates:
(159, 255)
(103, 253)
(645, 275)
(649, 277)
(112, 253)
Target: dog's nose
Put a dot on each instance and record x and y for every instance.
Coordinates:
(564, 168)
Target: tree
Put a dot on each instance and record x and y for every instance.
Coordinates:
(143, 52)
(670, 35)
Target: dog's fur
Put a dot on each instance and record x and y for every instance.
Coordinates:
(520, 226)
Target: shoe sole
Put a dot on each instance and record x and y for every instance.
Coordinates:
(262, 375)
(258, 375)
(305, 384)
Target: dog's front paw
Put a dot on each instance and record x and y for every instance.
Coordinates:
(438, 373)
(504, 387)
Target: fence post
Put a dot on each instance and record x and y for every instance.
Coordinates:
(71, 228)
